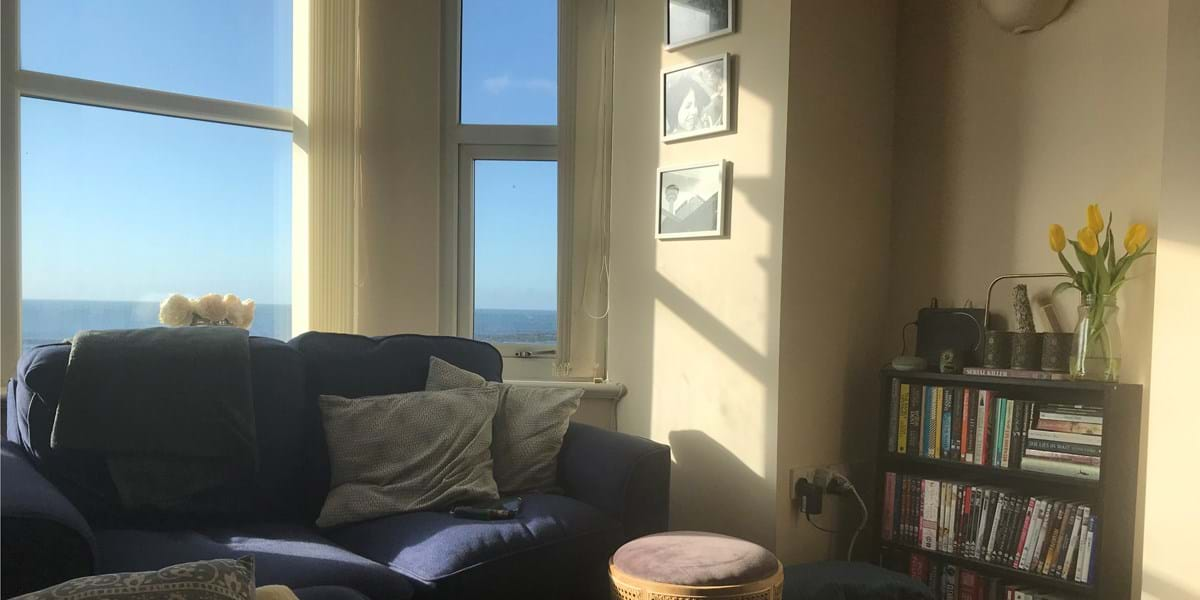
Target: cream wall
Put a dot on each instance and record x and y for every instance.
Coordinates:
(999, 135)
(693, 325)
(1171, 527)
(397, 251)
(835, 256)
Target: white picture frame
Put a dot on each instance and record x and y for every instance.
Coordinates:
(694, 99)
(697, 207)
(693, 21)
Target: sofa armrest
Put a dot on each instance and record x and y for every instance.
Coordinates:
(626, 476)
(45, 540)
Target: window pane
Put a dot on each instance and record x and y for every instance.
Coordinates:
(510, 62)
(121, 209)
(516, 251)
(230, 49)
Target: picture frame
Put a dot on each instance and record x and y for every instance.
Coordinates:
(694, 99)
(691, 200)
(688, 22)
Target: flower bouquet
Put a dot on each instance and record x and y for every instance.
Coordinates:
(1095, 352)
(211, 309)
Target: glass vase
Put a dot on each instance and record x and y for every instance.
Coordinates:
(1096, 350)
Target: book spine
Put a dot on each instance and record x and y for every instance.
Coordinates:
(996, 429)
(954, 398)
(969, 397)
(1065, 548)
(1070, 438)
(963, 405)
(1023, 538)
(889, 501)
(1070, 427)
(1052, 546)
(900, 423)
(1063, 457)
(1065, 447)
(927, 425)
(964, 522)
(930, 494)
(981, 420)
(997, 509)
(950, 582)
(1065, 469)
(893, 413)
(916, 396)
(985, 524)
(918, 566)
(1007, 437)
(1024, 410)
(1083, 414)
(936, 450)
(1073, 548)
(1035, 531)
(1081, 569)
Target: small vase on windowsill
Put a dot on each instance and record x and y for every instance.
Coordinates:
(1096, 350)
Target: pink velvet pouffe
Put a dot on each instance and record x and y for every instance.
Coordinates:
(694, 564)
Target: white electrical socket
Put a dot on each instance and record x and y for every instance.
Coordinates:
(820, 476)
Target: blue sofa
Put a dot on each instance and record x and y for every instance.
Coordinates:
(62, 519)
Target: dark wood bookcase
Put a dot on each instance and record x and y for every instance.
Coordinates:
(1113, 497)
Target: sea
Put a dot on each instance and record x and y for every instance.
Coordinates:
(53, 321)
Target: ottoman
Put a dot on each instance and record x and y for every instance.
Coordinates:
(694, 564)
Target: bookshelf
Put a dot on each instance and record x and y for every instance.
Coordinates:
(1113, 496)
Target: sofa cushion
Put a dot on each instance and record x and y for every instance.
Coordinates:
(555, 546)
(220, 579)
(293, 473)
(284, 554)
(407, 452)
(353, 366)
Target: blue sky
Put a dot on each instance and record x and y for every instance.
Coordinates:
(126, 206)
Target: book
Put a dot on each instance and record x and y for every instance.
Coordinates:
(1006, 442)
(1066, 438)
(930, 495)
(1073, 545)
(1073, 412)
(1036, 522)
(889, 501)
(1063, 457)
(1070, 426)
(1016, 373)
(956, 428)
(981, 423)
(900, 421)
(1021, 541)
(1065, 548)
(927, 424)
(1065, 469)
(935, 419)
(947, 423)
(1062, 447)
(949, 581)
(893, 414)
(913, 441)
(972, 408)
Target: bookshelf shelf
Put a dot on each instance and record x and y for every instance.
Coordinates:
(997, 570)
(1016, 478)
(1112, 498)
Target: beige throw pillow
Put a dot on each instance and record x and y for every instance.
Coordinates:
(220, 579)
(527, 432)
(407, 452)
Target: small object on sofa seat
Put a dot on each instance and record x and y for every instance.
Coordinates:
(836, 580)
(507, 509)
(274, 592)
(220, 579)
(695, 564)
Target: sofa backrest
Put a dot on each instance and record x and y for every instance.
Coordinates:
(293, 468)
(287, 378)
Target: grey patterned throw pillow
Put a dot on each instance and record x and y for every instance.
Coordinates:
(220, 579)
(407, 452)
(528, 429)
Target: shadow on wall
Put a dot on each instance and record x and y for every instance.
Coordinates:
(709, 474)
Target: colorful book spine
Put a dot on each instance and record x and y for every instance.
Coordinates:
(900, 422)
(969, 397)
(916, 396)
(946, 439)
(930, 497)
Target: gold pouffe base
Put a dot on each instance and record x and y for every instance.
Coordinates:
(627, 587)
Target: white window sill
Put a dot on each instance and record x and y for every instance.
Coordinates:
(610, 391)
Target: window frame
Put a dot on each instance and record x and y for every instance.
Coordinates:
(461, 145)
(21, 83)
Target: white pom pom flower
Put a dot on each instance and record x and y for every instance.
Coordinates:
(233, 309)
(247, 314)
(175, 311)
(211, 307)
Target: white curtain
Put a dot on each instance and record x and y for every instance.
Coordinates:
(582, 351)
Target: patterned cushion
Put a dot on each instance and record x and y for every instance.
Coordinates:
(407, 452)
(527, 432)
(221, 579)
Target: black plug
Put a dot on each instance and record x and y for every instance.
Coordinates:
(810, 495)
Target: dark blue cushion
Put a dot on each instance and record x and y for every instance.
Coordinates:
(556, 547)
(289, 555)
(293, 475)
(353, 366)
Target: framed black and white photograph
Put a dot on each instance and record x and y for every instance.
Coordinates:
(691, 21)
(695, 99)
(691, 201)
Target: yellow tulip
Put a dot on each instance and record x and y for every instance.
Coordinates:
(1088, 241)
(1095, 221)
(1135, 237)
(1058, 238)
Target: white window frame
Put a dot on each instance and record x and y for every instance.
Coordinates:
(462, 144)
(20, 83)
